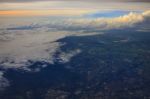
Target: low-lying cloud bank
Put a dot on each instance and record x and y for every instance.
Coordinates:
(35, 40)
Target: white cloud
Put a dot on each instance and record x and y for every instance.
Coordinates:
(146, 14)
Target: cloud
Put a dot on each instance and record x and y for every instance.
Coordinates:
(3, 81)
(56, 12)
(34, 45)
(129, 20)
(35, 39)
(73, 5)
(77, 0)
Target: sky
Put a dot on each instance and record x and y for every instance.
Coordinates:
(34, 38)
(77, 0)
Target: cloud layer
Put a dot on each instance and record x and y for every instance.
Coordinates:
(3, 81)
